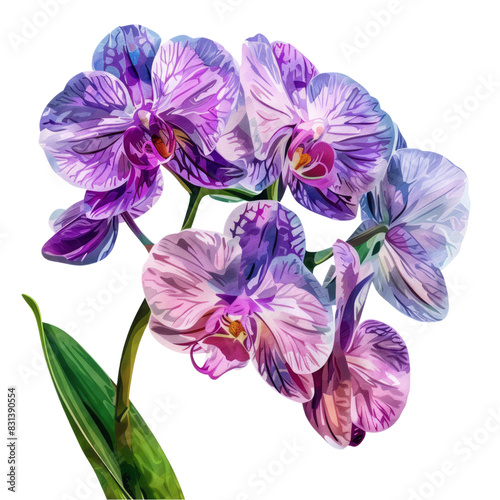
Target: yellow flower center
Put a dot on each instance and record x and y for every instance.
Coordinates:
(300, 159)
(236, 329)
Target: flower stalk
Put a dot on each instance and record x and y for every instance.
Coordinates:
(123, 429)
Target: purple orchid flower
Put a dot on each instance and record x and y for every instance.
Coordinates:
(143, 106)
(422, 203)
(325, 135)
(364, 385)
(243, 295)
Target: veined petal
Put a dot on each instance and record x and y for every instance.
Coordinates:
(352, 285)
(361, 134)
(271, 364)
(195, 84)
(186, 274)
(400, 142)
(295, 313)
(137, 196)
(380, 375)
(179, 341)
(61, 218)
(236, 146)
(324, 202)
(329, 411)
(270, 110)
(224, 353)
(425, 193)
(408, 279)
(296, 72)
(82, 130)
(264, 230)
(128, 53)
(81, 241)
(211, 171)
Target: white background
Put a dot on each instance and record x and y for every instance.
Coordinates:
(424, 62)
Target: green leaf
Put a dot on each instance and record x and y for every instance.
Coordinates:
(88, 398)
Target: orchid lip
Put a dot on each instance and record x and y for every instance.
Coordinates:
(150, 141)
(311, 159)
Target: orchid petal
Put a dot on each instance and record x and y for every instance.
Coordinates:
(271, 113)
(224, 353)
(324, 202)
(195, 85)
(264, 230)
(136, 197)
(329, 411)
(186, 272)
(361, 134)
(296, 72)
(236, 146)
(295, 310)
(82, 130)
(380, 375)
(408, 279)
(128, 53)
(81, 241)
(211, 171)
(425, 193)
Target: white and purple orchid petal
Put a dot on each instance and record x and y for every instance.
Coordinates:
(195, 85)
(79, 240)
(329, 410)
(187, 275)
(210, 171)
(179, 341)
(361, 134)
(294, 309)
(425, 193)
(137, 196)
(128, 53)
(271, 112)
(236, 147)
(296, 72)
(409, 280)
(400, 142)
(324, 201)
(352, 283)
(82, 128)
(61, 217)
(380, 376)
(273, 368)
(224, 353)
(264, 230)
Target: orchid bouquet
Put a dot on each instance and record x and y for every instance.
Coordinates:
(244, 134)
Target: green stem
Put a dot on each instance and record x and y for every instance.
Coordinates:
(273, 191)
(123, 430)
(314, 259)
(367, 235)
(137, 232)
(195, 198)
